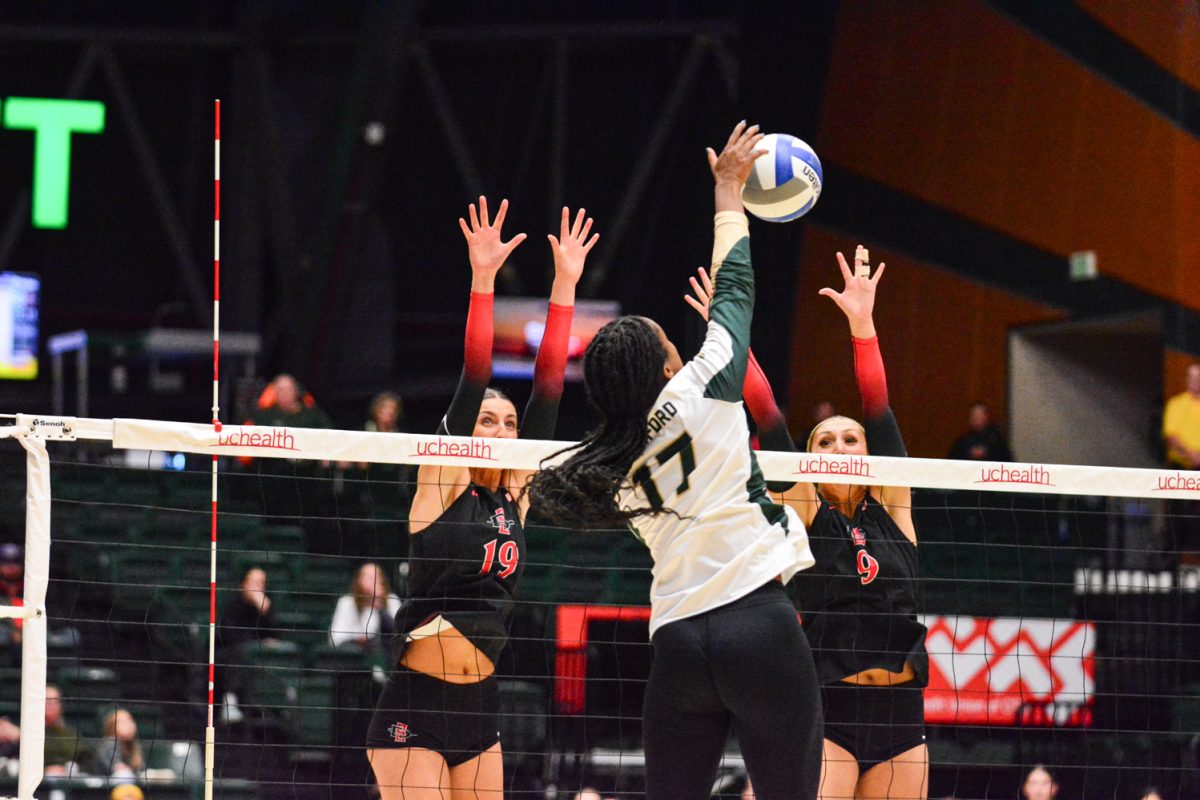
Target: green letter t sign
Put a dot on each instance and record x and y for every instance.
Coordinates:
(53, 122)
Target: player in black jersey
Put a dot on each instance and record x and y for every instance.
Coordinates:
(859, 602)
(434, 732)
(670, 457)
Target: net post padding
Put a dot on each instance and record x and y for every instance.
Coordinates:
(31, 761)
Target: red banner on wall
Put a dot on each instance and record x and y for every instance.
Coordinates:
(1009, 671)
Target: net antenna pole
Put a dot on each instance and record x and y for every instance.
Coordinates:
(210, 732)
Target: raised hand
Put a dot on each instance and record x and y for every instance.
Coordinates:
(484, 246)
(703, 289)
(737, 157)
(857, 299)
(572, 245)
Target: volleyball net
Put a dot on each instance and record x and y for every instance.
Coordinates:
(1062, 603)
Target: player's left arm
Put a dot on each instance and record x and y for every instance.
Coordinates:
(773, 433)
(857, 302)
(570, 248)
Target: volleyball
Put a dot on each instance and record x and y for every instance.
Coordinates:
(786, 182)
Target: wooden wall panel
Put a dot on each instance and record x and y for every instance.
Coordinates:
(1167, 31)
(944, 343)
(955, 104)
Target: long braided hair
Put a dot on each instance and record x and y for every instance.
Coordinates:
(623, 375)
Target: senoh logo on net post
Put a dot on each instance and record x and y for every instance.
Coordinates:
(820, 465)
(1025, 475)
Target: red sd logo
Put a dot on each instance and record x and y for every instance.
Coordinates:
(399, 732)
(860, 538)
(501, 522)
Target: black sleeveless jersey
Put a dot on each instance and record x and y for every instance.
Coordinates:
(465, 567)
(859, 603)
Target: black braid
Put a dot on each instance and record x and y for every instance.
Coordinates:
(623, 375)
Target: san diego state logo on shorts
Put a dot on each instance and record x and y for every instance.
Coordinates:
(400, 733)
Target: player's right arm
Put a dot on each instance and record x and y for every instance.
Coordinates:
(437, 486)
(857, 302)
(720, 366)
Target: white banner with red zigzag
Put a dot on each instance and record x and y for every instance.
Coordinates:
(1010, 671)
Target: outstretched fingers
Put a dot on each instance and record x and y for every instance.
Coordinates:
(502, 213)
(512, 244)
(736, 134)
(564, 224)
(844, 267)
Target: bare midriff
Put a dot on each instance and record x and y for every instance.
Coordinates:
(882, 677)
(448, 656)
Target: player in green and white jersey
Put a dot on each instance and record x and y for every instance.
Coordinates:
(671, 459)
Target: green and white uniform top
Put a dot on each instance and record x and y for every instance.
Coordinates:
(725, 538)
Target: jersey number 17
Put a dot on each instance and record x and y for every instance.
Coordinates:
(682, 447)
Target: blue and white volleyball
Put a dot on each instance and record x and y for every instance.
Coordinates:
(786, 182)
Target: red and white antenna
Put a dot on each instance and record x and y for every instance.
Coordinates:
(210, 731)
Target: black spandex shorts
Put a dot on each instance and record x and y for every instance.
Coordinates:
(746, 667)
(875, 723)
(457, 720)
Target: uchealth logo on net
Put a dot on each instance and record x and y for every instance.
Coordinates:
(475, 448)
(264, 438)
(1178, 482)
(820, 465)
(1026, 475)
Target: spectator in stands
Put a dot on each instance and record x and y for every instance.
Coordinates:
(247, 616)
(119, 754)
(64, 752)
(1039, 784)
(285, 404)
(247, 619)
(12, 580)
(385, 413)
(983, 440)
(12, 572)
(1181, 424)
(10, 739)
(384, 416)
(1181, 435)
(367, 615)
(283, 488)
